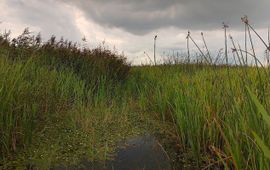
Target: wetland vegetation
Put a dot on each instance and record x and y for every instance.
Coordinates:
(61, 103)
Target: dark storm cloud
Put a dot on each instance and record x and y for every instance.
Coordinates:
(143, 16)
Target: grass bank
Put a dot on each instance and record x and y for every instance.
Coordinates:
(212, 111)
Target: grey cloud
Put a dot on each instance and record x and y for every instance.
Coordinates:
(49, 16)
(170, 18)
(143, 16)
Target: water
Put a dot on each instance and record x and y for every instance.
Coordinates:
(143, 152)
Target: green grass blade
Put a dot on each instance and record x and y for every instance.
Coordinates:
(259, 106)
(261, 144)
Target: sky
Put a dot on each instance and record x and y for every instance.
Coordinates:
(130, 25)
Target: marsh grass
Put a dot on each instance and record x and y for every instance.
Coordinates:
(29, 94)
(43, 81)
(87, 100)
(213, 119)
(216, 118)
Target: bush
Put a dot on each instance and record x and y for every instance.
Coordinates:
(89, 64)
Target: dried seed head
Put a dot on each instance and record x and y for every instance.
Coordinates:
(245, 19)
(188, 35)
(225, 25)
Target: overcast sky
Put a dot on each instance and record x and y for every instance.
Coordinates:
(130, 25)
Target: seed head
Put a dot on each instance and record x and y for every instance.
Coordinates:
(225, 25)
(245, 19)
(188, 35)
